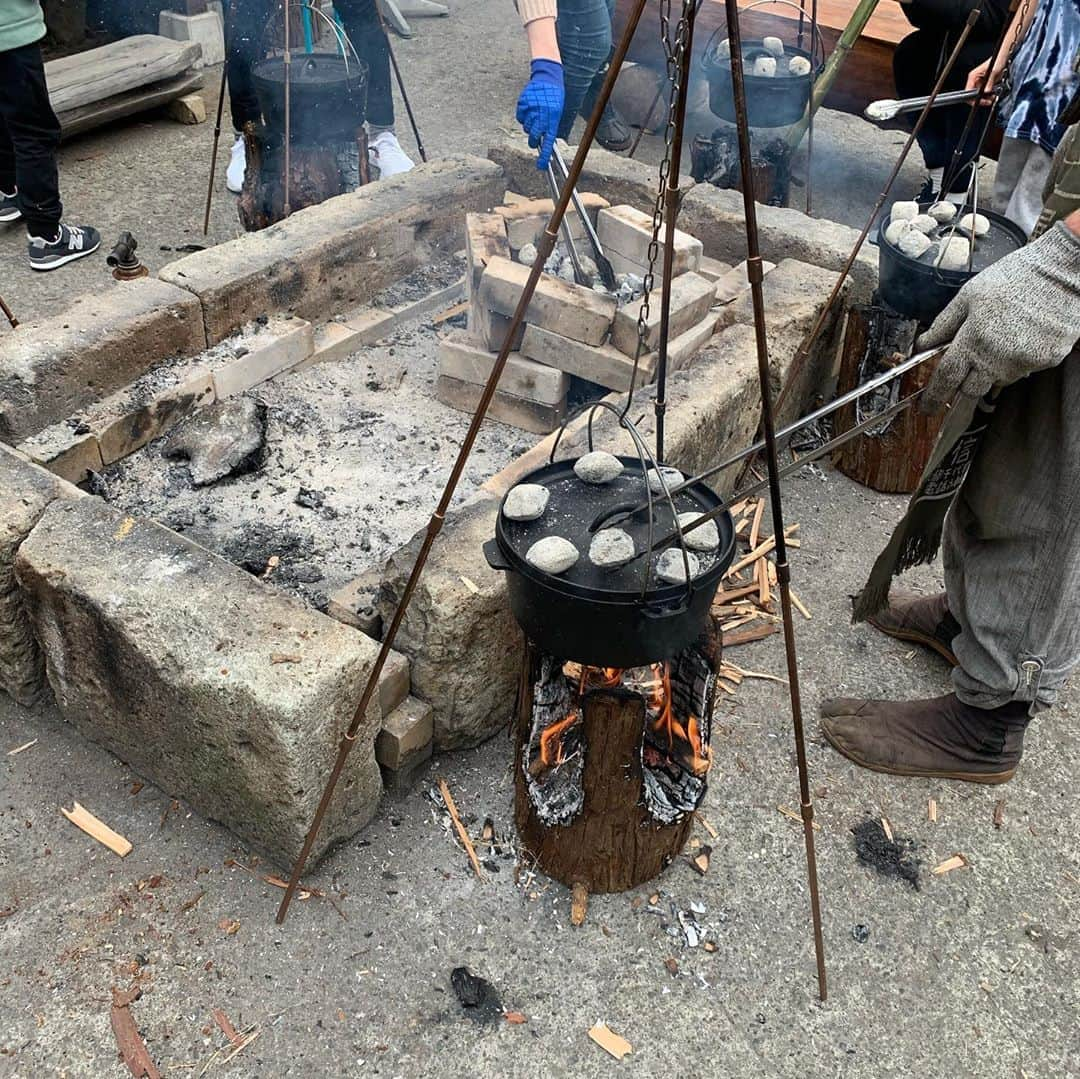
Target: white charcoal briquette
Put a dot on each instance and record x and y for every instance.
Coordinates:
(705, 537)
(527, 255)
(723, 49)
(903, 211)
(526, 502)
(552, 554)
(953, 253)
(923, 223)
(943, 212)
(798, 65)
(597, 467)
(975, 223)
(895, 230)
(611, 548)
(914, 243)
(765, 65)
(671, 476)
(671, 569)
(773, 45)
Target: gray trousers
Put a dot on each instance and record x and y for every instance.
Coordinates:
(1023, 167)
(1011, 547)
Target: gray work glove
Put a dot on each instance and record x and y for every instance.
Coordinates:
(1018, 316)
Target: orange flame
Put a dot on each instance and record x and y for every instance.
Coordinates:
(551, 743)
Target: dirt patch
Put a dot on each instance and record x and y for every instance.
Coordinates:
(894, 857)
(357, 453)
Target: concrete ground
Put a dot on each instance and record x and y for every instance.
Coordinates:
(975, 973)
(149, 175)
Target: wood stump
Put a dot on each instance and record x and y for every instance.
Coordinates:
(613, 843)
(316, 174)
(893, 462)
(715, 160)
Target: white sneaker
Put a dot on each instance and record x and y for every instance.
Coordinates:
(386, 155)
(234, 174)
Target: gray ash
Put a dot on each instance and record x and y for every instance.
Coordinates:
(894, 857)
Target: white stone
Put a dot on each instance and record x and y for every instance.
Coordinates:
(553, 554)
(765, 65)
(526, 502)
(975, 223)
(705, 537)
(798, 65)
(923, 223)
(942, 212)
(773, 46)
(671, 476)
(527, 255)
(903, 211)
(953, 253)
(671, 569)
(914, 244)
(611, 548)
(895, 230)
(597, 467)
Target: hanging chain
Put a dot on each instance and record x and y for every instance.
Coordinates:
(673, 52)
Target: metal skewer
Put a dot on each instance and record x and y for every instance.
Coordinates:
(545, 246)
(783, 570)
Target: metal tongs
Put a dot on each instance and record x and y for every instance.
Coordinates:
(887, 108)
(619, 514)
(603, 264)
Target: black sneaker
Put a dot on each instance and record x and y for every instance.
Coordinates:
(74, 242)
(9, 208)
(613, 133)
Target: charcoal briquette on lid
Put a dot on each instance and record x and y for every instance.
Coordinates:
(598, 467)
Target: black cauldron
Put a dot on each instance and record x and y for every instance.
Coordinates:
(327, 96)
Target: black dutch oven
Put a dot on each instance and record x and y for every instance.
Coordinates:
(327, 96)
(602, 617)
(920, 290)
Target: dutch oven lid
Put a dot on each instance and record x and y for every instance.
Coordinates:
(314, 70)
(574, 505)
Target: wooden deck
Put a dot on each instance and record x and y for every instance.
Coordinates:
(865, 76)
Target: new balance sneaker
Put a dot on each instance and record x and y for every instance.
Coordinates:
(72, 242)
(9, 208)
(386, 155)
(234, 174)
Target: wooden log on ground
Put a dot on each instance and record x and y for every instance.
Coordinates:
(715, 160)
(120, 106)
(875, 340)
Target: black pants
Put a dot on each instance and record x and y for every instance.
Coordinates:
(244, 24)
(917, 61)
(29, 136)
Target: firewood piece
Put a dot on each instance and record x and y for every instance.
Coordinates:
(226, 1026)
(463, 835)
(762, 548)
(97, 829)
(19, 749)
(784, 811)
(999, 813)
(450, 312)
(931, 810)
(129, 1041)
(734, 594)
(762, 571)
(700, 861)
(612, 1043)
(886, 827)
(799, 606)
(703, 821)
(755, 527)
(579, 904)
(957, 861)
(745, 636)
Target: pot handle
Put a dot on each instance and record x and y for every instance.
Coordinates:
(494, 555)
(656, 613)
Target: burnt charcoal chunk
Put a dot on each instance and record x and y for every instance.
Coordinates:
(477, 996)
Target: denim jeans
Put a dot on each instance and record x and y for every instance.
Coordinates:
(584, 32)
(1011, 548)
(29, 136)
(244, 24)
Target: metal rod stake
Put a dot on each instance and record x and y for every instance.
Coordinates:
(671, 212)
(286, 206)
(8, 313)
(547, 242)
(783, 570)
(217, 138)
(404, 95)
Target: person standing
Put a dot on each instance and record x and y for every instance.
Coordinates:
(29, 137)
(245, 25)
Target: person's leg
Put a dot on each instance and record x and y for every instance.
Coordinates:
(361, 21)
(9, 203)
(1012, 547)
(584, 32)
(614, 132)
(244, 23)
(1026, 198)
(34, 135)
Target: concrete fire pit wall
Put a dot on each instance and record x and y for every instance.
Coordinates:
(462, 642)
(715, 216)
(25, 492)
(220, 689)
(336, 255)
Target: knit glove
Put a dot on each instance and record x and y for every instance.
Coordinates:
(540, 107)
(1016, 317)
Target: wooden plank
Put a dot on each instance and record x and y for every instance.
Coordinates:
(97, 829)
(97, 74)
(88, 117)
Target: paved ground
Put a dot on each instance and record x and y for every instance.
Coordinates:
(976, 973)
(149, 176)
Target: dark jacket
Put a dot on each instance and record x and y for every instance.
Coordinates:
(949, 16)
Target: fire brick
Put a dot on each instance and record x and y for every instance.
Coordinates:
(406, 733)
(463, 359)
(627, 232)
(691, 298)
(603, 364)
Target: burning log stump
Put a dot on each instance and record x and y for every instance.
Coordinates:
(715, 160)
(317, 172)
(610, 765)
(891, 460)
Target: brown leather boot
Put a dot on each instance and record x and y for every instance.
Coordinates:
(940, 738)
(923, 619)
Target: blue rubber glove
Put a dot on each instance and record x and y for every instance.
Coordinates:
(540, 107)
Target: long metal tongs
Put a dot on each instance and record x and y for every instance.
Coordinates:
(603, 263)
(888, 107)
(609, 518)
(567, 235)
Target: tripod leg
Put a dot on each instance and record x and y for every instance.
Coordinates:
(217, 137)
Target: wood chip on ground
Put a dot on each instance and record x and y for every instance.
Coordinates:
(957, 861)
(97, 829)
(609, 1041)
